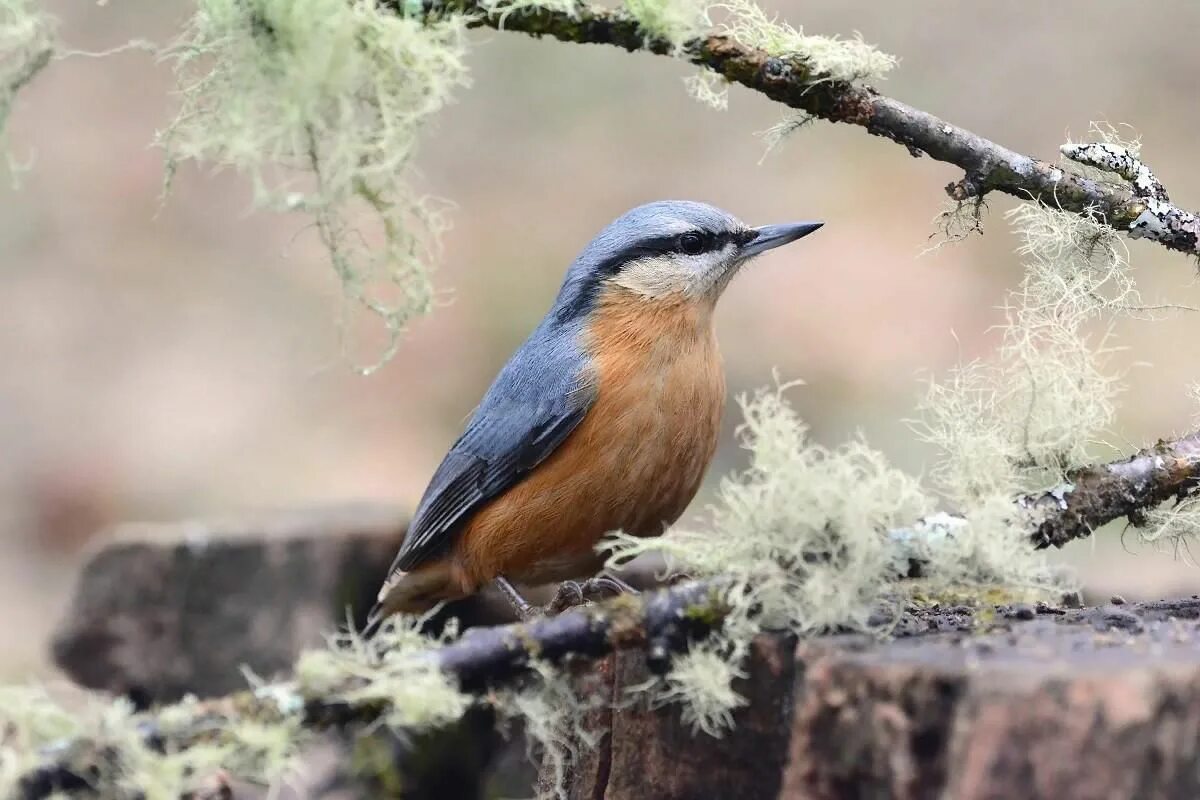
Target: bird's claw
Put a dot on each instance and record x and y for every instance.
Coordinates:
(570, 593)
(573, 593)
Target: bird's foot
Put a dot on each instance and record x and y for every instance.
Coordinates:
(569, 593)
(602, 585)
(573, 593)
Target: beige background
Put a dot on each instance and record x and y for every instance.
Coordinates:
(187, 364)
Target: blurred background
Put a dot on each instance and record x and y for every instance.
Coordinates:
(185, 362)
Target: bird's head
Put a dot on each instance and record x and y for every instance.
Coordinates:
(674, 248)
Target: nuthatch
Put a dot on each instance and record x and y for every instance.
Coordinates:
(605, 419)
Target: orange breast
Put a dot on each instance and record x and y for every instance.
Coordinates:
(635, 461)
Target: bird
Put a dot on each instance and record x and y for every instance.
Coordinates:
(605, 419)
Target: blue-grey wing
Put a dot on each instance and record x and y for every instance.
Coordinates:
(520, 423)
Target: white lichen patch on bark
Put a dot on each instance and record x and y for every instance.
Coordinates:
(1161, 220)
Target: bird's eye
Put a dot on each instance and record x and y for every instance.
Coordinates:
(691, 243)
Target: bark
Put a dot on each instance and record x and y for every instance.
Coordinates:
(1052, 703)
(644, 751)
(1093, 703)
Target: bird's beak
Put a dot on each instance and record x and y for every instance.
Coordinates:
(768, 237)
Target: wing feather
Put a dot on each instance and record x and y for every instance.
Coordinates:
(508, 436)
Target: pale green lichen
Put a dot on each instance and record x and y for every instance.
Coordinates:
(553, 711)
(1017, 422)
(257, 741)
(990, 555)
(29, 721)
(673, 21)
(709, 88)
(802, 527)
(506, 7)
(956, 222)
(1173, 529)
(415, 693)
(701, 681)
(831, 57)
(34, 725)
(774, 136)
(319, 103)
(26, 47)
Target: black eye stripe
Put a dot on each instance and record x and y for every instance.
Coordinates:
(661, 245)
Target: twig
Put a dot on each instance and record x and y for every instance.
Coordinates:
(1094, 496)
(1089, 498)
(988, 166)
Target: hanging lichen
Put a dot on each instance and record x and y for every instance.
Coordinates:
(319, 103)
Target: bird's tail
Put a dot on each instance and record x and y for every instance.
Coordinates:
(411, 593)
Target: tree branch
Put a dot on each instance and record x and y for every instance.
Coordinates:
(790, 80)
(1097, 495)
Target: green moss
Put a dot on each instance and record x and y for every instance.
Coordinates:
(709, 614)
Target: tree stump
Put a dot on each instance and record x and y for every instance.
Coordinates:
(1053, 703)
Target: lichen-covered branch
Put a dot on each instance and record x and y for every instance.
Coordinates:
(661, 622)
(791, 80)
(1098, 495)
(1090, 497)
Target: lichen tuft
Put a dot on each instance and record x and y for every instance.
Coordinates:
(414, 692)
(26, 47)
(553, 711)
(801, 539)
(319, 103)
(831, 57)
(672, 21)
(1018, 422)
(709, 88)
